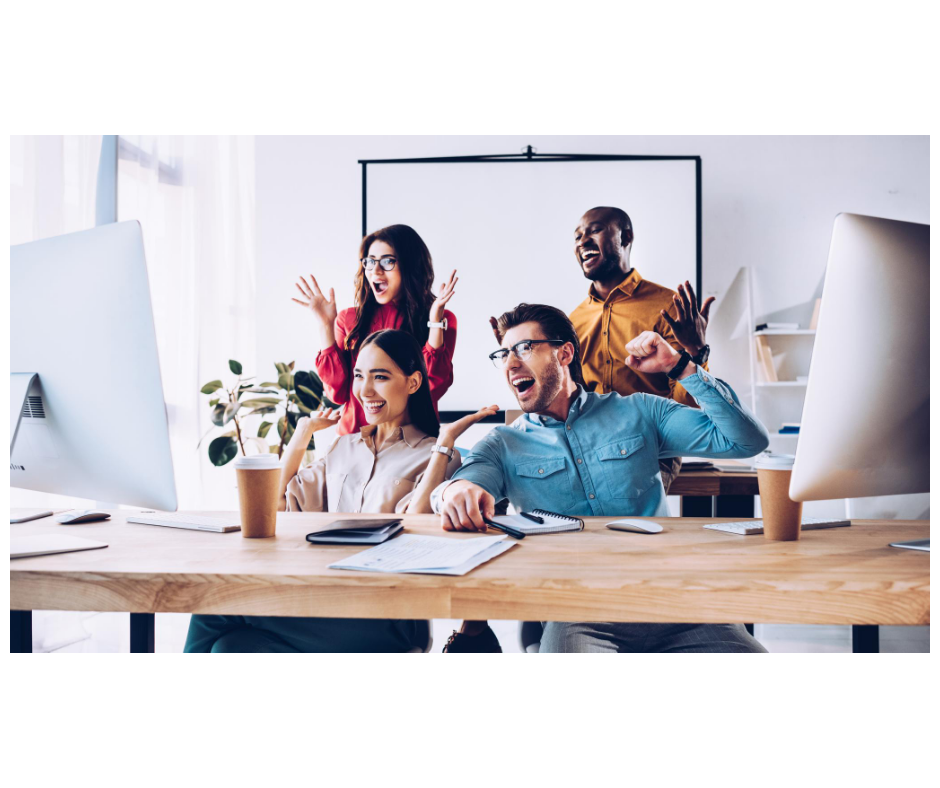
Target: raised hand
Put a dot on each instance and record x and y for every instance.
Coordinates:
(320, 419)
(445, 293)
(450, 432)
(690, 326)
(650, 353)
(323, 308)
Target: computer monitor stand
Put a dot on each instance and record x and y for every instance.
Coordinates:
(916, 544)
(22, 386)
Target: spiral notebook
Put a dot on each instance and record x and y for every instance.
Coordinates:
(553, 523)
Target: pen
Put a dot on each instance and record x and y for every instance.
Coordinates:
(533, 517)
(505, 529)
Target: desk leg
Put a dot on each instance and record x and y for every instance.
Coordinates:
(865, 640)
(21, 631)
(142, 633)
(697, 506)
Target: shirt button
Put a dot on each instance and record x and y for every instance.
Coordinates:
(567, 426)
(622, 451)
(591, 496)
(541, 471)
(396, 482)
(579, 460)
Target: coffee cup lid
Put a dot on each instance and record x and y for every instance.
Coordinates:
(260, 461)
(774, 462)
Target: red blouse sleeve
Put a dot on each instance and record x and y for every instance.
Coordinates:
(440, 361)
(334, 363)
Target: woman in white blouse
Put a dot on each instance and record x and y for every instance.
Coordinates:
(388, 466)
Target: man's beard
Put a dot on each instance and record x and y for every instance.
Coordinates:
(549, 386)
(606, 270)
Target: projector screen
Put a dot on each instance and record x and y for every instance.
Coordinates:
(508, 228)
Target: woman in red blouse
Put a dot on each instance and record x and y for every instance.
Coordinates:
(393, 290)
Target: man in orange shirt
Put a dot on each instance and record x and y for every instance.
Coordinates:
(621, 305)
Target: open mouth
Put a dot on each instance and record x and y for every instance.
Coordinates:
(379, 287)
(373, 406)
(588, 256)
(522, 385)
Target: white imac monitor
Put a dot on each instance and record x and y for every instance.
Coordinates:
(87, 415)
(865, 429)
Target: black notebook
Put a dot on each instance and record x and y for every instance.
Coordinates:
(356, 532)
(553, 523)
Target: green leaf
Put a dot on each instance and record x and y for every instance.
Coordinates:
(281, 368)
(213, 402)
(212, 385)
(260, 389)
(260, 411)
(291, 366)
(286, 381)
(262, 401)
(284, 428)
(222, 414)
(222, 450)
(235, 367)
(268, 385)
(263, 429)
(303, 408)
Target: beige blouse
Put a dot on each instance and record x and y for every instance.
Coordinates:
(353, 478)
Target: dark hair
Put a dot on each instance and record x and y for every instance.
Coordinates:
(406, 353)
(623, 221)
(554, 324)
(417, 279)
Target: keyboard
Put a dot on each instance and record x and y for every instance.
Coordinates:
(194, 522)
(748, 527)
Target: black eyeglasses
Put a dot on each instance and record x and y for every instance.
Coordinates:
(386, 263)
(521, 350)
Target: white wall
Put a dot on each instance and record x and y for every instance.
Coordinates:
(768, 203)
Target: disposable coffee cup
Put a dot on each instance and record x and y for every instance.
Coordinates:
(782, 517)
(259, 477)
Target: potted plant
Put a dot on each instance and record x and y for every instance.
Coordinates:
(295, 394)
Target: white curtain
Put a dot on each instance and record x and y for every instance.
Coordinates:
(194, 198)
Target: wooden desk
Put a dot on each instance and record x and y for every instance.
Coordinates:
(716, 493)
(685, 574)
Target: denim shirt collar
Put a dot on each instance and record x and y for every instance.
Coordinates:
(576, 409)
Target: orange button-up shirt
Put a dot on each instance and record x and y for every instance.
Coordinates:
(605, 327)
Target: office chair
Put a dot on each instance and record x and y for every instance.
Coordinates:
(422, 640)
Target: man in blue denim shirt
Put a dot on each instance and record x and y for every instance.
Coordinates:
(586, 454)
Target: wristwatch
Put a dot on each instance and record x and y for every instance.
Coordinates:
(442, 325)
(702, 356)
(679, 368)
(443, 450)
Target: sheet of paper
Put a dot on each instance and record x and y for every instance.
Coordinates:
(415, 553)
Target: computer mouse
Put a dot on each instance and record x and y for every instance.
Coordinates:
(636, 526)
(77, 516)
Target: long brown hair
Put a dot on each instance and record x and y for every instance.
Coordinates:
(417, 279)
(406, 353)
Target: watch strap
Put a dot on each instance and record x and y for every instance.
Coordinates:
(681, 364)
(702, 356)
(442, 325)
(443, 450)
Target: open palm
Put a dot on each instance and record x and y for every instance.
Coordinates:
(323, 308)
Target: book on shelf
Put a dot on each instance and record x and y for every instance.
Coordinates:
(766, 359)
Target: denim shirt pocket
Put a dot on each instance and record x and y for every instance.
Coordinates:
(627, 469)
(545, 482)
